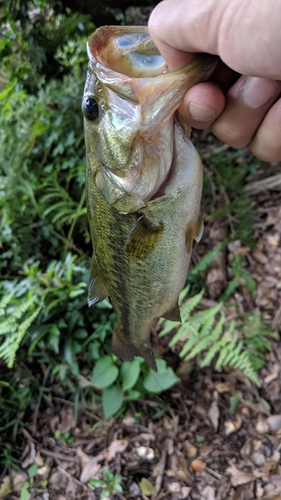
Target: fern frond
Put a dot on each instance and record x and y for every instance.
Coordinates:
(203, 333)
(224, 349)
(231, 286)
(207, 332)
(214, 349)
(5, 301)
(208, 258)
(12, 342)
(14, 322)
(188, 306)
(183, 331)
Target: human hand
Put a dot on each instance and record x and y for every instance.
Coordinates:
(242, 103)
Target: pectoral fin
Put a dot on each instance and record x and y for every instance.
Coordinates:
(97, 290)
(143, 238)
(126, 350)
(173, 315)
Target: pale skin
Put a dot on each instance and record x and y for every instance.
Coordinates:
(241, 102)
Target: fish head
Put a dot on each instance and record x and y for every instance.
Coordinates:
(129, 103)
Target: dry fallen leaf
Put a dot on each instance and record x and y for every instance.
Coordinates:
(117, 446)
(58, 480)
(18, 480)
(269, 468)
(233, 425)
(209, 493)
(222, 387)
(238, 476)
(245, 492)
(68, 421)
(214, 415)
(6, 487)
(89, 466)
(174, 487)
(29, 456)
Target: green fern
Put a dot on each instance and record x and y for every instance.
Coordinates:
(239, 272)
(208, 258)
(14, 322)
(206, 333)
(65, 209)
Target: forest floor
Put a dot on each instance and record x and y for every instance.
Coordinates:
(195, 448)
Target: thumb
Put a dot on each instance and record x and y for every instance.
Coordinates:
(245, 34)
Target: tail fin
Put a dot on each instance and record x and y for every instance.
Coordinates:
(126, 350)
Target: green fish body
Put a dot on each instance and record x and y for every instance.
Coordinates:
(143, 182)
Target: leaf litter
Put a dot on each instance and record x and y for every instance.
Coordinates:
(219, 437)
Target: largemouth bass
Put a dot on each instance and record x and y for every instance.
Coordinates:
(143, 182)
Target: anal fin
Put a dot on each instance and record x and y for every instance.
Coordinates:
(173, 315)
(97, 290)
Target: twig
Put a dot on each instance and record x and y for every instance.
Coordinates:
(277, 320)
(272, 182)
(66, 401)
(160, 472)
(68, 243)
(58, 456)
(213, 473)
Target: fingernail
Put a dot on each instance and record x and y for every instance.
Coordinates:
(201, 113)
(258, 91)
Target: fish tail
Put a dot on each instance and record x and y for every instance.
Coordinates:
(126, 350)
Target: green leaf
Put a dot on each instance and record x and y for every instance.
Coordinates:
(162, 380)
(108, 475)
(130, 371)
(133, 394)
(32, 470)
(24, 494)
(104, 373)
(96, 483)
(234, 401)
(105, 494)
(118, 488)
(112, 399)
(147, 487)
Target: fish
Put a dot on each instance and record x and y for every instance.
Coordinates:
(143, 182)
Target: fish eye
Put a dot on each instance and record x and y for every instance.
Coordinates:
(90, 107)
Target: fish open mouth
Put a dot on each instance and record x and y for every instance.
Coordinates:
(140, 97)
(132, 53)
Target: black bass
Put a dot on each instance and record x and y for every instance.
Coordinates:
(143, 182)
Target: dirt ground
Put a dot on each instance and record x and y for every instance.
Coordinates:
(186, 444)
